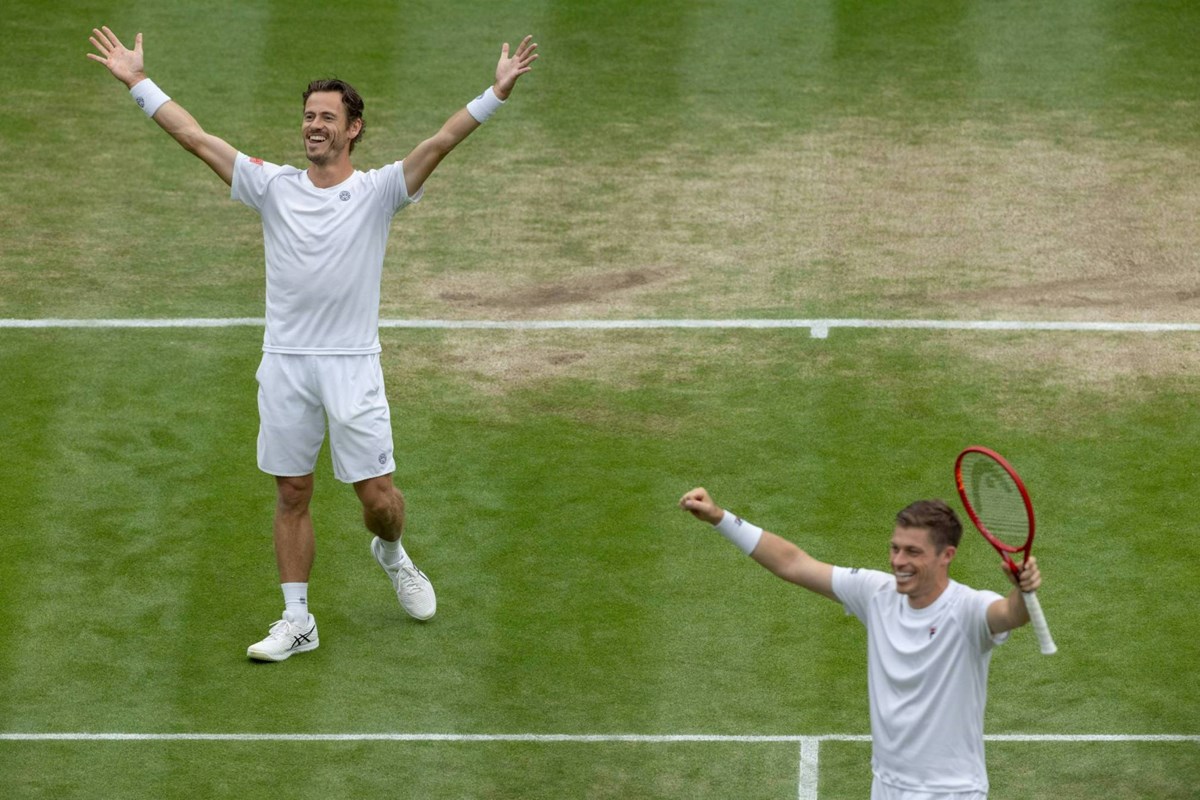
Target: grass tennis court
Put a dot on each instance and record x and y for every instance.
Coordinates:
(949, 160)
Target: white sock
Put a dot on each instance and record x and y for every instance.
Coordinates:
(393, 552)
(295, 602)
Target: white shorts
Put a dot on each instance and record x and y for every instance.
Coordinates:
(881, 791)
(298, 393)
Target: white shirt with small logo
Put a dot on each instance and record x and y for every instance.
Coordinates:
(324, 253)
(927, 675)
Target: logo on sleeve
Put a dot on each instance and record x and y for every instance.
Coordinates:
(256, 161)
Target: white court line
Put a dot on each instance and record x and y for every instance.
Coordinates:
(638, 738)
(819, 328)
(810, 748)
(807, 779)
(194, 322)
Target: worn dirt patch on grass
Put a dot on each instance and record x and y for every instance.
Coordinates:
(1041, 219)
(1038, 219)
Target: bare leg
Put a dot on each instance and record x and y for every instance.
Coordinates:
(295, 543)
(383, 514)
(383, 507)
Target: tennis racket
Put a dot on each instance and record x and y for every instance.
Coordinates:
(996, 501)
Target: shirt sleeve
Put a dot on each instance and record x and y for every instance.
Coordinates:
(855, 588)
(251, 176)
(977, 606)
(393, 190)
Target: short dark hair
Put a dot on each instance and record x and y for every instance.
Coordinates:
(351, 100)
(936, 517)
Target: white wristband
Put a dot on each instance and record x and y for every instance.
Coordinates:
(148, 96)
(484, 106)
(743, 534)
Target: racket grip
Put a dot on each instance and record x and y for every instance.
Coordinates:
(1045, 642)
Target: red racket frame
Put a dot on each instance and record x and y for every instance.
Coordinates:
(1001, 547)
(1032, 604)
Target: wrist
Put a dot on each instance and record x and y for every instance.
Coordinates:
(485, 105)
(744, 535)
(148, 96)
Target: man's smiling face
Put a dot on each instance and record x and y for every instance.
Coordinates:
(327, 135)
(921, 572)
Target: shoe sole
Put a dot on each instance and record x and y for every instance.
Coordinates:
(259, 655)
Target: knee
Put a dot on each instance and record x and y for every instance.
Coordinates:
(382, 501)
(293, 494)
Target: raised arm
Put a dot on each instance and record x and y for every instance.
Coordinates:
(128, 66)
(1010, 612)
(775, 553)
(421, 162)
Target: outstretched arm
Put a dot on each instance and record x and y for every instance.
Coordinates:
(421, 162)
(775, 553)
(128, 66)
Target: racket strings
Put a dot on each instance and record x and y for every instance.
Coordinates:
(997, 500)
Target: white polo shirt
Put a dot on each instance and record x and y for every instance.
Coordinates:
(927, 675)
(324, 253)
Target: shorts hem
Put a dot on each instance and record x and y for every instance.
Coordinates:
(375, 474)
(284, 473)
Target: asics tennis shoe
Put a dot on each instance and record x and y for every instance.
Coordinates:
(284, 639)
(412, 586)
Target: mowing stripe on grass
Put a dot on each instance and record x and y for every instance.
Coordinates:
(819, 327)
(539, 738)
(808, 778)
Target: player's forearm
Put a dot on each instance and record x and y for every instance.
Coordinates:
(182, 126)
(169, 115)
(1017, 614)
(184, 129)
(423, 160)
(453, 132)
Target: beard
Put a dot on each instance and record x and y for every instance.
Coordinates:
(330, 154)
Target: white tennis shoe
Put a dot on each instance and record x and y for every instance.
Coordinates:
(284, 639)
(412, 586)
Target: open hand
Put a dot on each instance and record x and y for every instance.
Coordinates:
(512, 67)
(127, 66)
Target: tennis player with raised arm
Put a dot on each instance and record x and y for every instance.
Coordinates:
(929, 642)
(325, 229)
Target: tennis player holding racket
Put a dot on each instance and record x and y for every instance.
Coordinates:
(929, 642)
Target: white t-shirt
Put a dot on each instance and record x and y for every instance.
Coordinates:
(324, 253)
(927, 679)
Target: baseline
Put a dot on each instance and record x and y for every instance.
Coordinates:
(818, 328)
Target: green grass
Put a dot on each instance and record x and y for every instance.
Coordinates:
(669, 159)
(575, 597)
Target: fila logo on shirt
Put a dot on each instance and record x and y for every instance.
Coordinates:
(932, 631)
(344, 196)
